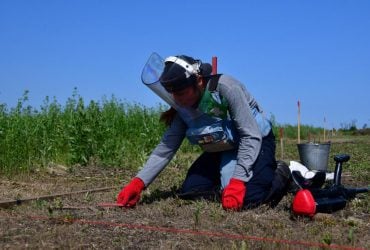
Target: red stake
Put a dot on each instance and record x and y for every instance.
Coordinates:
(214, 65)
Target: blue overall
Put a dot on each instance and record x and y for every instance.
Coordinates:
(212, 171)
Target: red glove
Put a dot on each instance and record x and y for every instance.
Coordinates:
(130, 194)
(233, 195)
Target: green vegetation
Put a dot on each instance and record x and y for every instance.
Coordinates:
(308, 133)
(106, 133)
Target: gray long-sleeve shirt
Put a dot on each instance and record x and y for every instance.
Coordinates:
(240, 104)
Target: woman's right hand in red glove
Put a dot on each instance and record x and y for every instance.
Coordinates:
(130, 194)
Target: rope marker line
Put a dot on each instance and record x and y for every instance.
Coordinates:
(9, 203)
(192, 232)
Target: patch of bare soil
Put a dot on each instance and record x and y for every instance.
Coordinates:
(161, 220)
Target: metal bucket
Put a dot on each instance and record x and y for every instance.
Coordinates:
(314, 156)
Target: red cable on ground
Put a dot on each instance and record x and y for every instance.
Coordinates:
(193, 232)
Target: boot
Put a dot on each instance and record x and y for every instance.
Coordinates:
(279, 184)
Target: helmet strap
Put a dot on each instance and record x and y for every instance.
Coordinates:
(190, 69)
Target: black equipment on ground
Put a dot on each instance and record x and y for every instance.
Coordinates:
(311, 198)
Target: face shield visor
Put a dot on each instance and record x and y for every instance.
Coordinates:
(150, 75)
(164, 77)
(174, 73)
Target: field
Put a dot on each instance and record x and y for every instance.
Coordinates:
(161, 220)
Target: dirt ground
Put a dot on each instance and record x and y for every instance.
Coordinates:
(161, 220)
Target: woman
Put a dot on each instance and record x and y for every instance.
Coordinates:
(219, 114)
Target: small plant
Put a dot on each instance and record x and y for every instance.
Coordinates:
(327, 238)
(243, 246)
(58, 203)
(68, 218)
(40, 204)
(351, 236)
(88, 197)
(216, 213)
(197, 213)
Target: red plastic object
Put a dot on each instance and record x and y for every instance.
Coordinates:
(304, 203)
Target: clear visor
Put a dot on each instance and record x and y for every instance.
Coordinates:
(150, 76)
(155, 65)
(153, 69)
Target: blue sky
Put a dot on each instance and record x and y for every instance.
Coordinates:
(315, 51)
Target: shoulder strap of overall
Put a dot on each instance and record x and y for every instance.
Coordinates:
(213, 82)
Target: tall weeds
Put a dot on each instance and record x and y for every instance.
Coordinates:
(109, 133)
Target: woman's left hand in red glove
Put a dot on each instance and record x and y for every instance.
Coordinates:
(233, 195)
